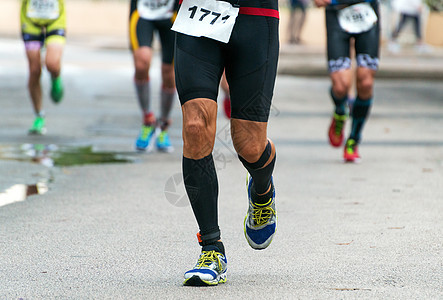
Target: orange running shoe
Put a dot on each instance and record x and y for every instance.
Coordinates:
(351, 151)
(336, 130)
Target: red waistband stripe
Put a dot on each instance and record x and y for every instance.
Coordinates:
(256, 11)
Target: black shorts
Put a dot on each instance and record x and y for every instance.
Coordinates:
(366, 43)
(141, 33)
(250, 60)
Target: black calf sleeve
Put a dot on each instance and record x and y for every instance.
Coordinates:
(261, 176)
(200, 179)
(340, 103)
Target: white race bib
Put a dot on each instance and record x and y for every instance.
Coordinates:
(155, 9)
(357, 18)
(209, 18)
(43, 9)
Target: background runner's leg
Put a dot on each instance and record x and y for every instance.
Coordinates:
(35, 69)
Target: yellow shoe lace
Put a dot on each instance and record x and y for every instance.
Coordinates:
(350, 145)
(262, 213)
(162, 136)
(146, 131)
(207, 258)
(339, 123)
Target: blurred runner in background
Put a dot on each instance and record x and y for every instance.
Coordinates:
(147, 17)
(43, 23)
(346, 20)
(409, 10)
(296, 20)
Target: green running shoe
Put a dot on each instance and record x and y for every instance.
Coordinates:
(57, 90)
(38, 127)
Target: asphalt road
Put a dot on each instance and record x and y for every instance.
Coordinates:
(372, 230)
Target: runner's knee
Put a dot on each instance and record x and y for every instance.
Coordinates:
(198, 132)
(194, 128)
(142, 64)
(249, 150)
(340, 84)
(53, 66)
(197, 139)
(141, 69)
(340, 89)
(249, 138)
(365, 83)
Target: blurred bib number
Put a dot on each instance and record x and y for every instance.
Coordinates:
(357, 18)
(43, 9)
(155, 9)
(208, 18)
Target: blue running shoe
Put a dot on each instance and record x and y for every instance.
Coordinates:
(211, 268)
(260, 221)
(144, 137)
(163, 142)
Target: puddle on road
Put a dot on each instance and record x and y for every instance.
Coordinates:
(50, 156)
(19, 192)
(53, 155)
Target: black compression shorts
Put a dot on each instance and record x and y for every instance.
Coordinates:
(250, 59)
(338, 40)
(141, 33)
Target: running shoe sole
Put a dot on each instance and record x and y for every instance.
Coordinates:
(197, 281)
(36, 132)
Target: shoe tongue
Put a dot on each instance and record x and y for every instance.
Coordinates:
(211, 248)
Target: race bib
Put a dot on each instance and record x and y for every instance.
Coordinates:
(208, 18)
(357, 18)
(43, 9)
(155, 9)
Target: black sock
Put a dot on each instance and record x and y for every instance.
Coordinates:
(262, 199)
(261, 175)
(201, 185)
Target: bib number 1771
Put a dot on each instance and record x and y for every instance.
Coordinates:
(207, 18)
(205, 13)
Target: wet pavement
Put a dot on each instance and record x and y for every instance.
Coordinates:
(104, 229)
